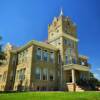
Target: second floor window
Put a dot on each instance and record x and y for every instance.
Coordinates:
(65, 42)
(67, 59)
(52, 57)
(74, 60)
(45, 55)
(39, 54)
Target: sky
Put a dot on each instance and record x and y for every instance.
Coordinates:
(24, 20)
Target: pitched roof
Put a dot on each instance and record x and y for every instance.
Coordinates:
(37, 43)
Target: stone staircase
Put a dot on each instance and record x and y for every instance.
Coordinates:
(74, 87)
(79, 89)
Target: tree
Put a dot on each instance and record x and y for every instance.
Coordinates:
(94, 80)
(2, 55)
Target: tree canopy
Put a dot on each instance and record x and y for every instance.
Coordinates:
(0, 38)
(2, 56)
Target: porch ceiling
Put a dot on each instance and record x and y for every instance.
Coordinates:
(76, 67)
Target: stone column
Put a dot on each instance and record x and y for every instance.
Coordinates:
(73, 76)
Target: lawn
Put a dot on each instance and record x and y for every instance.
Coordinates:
(51, 96)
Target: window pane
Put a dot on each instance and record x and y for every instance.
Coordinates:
(39, 54)
(74, 60)
(37, 73)
(52, 57)
(51, 76)
(45, 55)
(45, 74)
(21, 74)
(66, 59)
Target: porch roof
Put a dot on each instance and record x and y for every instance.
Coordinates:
(76, 67)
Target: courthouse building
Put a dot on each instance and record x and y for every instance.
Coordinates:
(51, 65)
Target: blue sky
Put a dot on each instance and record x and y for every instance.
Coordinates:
(24, 20)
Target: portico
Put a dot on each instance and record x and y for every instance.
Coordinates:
(73, 73)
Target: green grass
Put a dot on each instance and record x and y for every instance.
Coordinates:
(51, 96)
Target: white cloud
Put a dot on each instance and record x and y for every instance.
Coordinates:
(98, 69)
(97, 75)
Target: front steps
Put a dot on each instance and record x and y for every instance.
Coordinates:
(79, 89)
(73, 87)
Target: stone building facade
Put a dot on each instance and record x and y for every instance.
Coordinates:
(51, 65)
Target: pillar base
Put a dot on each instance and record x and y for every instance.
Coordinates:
(71, 87)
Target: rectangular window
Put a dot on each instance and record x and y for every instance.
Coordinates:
(22, 74)
(70, 60)
(74, 60)
(65, 42)
(52, 59)
(51, 75)
(39, 54)
(45, 74)
(45, 55)
(67, 60)
(38, 73)
(70, 43)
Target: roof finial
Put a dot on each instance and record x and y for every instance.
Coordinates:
(61, 12)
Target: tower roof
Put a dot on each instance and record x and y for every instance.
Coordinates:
(61, 12)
